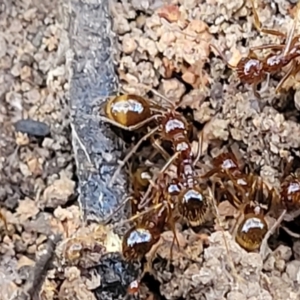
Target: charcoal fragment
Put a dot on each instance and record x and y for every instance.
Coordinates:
(32, 127)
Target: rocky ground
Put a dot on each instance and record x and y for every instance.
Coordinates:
(164, 45)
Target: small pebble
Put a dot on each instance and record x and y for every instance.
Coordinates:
(33, 128)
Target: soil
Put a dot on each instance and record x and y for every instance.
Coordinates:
(57, 69)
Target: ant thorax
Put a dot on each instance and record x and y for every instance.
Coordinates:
(184, 148)
(228, 164)
(187, 172)
(173, 189)
(274, 60)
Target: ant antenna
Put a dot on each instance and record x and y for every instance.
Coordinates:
(147, 87)
(154, 207)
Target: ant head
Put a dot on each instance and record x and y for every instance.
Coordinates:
(250, 70)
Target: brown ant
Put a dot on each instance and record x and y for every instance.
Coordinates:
(253, 70)
(227, 167)
(172, 127)
(140, 112)
(138, 241)
(150, 223)
(253, 228)
(248, 193)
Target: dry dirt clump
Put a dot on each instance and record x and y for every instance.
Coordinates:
(222, 271)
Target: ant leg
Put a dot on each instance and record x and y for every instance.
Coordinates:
(255, 92)
(130, 154)
(222, 55)
(285, 77)
(116, 210)
(258, 27)
(172, 245)
(264, 244)
(154, 207)
(160, 149)
(291, 233)
(2, 217)
(211, 173)
(232, 198)
(128, 128)
(291, 40)
(148, 267)
(199, 149)
(229, 256)
(141, 85)
(144, 200)
(263, 47)
(286, 167)
(266, 85)
(234, 181)
(171, 222)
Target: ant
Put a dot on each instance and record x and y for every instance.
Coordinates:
(138, 241)
(172, 127)
(253, 228)
(248, 193)
(158, 213)
(253, 70)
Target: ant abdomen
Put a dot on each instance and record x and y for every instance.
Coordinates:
(193, 206)
(251, 231)
(128, 110)
(137, 242)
